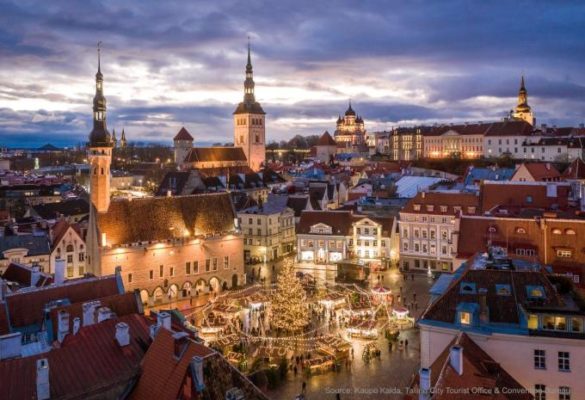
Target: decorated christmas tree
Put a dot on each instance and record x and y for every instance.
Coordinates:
(289, 302)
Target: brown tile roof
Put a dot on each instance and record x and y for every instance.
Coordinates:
(66, 208)
(523, 195)
(161, 218)
(60, 229)
(502, 309)
(479, 371)
(339, 221)
(183, 135)
(27, 308)
(438, 199)
(326, 140)
(298, 204)
(89, 364)
(576, 170)
(542, 171)
(164, 375)
(213, 154)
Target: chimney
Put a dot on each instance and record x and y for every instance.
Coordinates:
(548, 166)
(456, 359)
(10, 345)
(164, 319)
(59, 271)
(424, 383)
(181, 342)
(196, 366)
(89, 312)
(43, 389)
(122, 334)
(153, 329)
(35, 275)
(484, 315)
(62, 325)
(104, 313)
(76, 325)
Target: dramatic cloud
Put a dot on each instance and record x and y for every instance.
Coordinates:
(175, 63)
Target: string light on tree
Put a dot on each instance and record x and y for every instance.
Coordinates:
(289, 302)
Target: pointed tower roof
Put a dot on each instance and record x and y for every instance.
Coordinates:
(326, 140)
(350, 110)
(249, 105)
(183, 135)
(99, 136)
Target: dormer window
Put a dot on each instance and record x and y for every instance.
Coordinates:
(465, 318)
(570, 232)
(430, 208)
(521, 231)
(443, 209)
(471, 210)
(535, 292)
(468, 288)
(503, 290)
(416, 207)
(557, 231)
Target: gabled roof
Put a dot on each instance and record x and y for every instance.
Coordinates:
(212, 154)
(438, 199)
(326, 140)
(164, 374)
(66, 208)
(88, 364)
(168, 217)
(524, 194)
(479, 371)
(61, 228)
(576, 170)
(22, 275)
(298, 204)
(183, 135)
(541, 171)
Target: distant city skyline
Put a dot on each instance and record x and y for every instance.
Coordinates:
(182, 64)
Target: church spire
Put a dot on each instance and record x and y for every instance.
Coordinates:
(249, 82)
(99, 136)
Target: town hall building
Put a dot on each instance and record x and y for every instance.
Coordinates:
(169, 247)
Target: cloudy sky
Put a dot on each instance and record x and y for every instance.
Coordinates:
(173, 63)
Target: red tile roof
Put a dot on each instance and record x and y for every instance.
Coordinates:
(183, 135)
(216, 154)
(90, 363)
(27, 307)
(119, 304)
(526, 195)
(339, 221)
(164, 375)
(576, 170)
(479, 371)
(541, 171)
(438, 199)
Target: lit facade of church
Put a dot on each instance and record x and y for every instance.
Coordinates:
(167, 247)
(350, 130)
(523, 111)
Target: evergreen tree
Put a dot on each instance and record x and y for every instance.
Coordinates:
(289, 306)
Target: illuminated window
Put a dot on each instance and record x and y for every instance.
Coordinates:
(532, 321)
(521, 231)
(503, 290)
(570, 232)
(535, 292)
(465, 318)
(577, 324)
(560, 323)
(564, 253)
(557, 231)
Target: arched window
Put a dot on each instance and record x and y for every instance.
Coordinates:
(570, 232)
(69, 248)
(521, 231)
(492, 229)
(557, 231)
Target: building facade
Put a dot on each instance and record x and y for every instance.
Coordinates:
(406, 144)
(429, 230)
(269, 231)
(327, 237)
